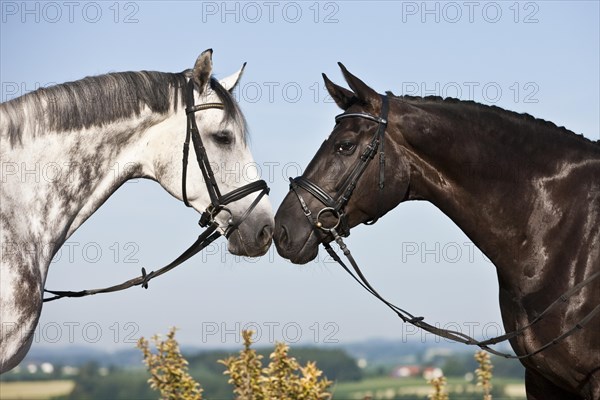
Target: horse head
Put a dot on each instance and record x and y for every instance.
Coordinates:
(355, 177)
(223, 154)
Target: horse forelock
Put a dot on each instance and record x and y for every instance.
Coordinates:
(231, 108)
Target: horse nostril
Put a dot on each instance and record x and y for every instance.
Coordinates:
(265, 234)
(283, 238)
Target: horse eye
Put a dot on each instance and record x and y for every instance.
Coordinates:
(346, 147)
(223, 137)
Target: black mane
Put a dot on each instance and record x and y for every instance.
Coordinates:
(100, 100)
(416, 100)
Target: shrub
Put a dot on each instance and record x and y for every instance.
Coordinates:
(283, 378)
(168, 369)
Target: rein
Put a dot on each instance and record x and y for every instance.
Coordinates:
(456, 336)
(339, 229)
(207, 218)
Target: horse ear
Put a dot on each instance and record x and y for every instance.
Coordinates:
(364, 93)
(202, 70)
(342, 96)
(232, 80)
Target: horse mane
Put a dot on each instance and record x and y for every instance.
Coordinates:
(523, 116)
(103, 99)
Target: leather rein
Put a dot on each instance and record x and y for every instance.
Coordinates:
(208, 221)
(338, 229)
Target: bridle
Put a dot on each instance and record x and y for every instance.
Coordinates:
(218, 203)
(217, 200)
(338, 229)
(336, 206)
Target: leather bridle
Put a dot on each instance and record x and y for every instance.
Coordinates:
(336, 206)
(218, 203)
(339, 229)
(217, 200)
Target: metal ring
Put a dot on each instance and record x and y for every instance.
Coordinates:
(228, 211)
(336, 214)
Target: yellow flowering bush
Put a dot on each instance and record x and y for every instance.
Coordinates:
(168, 369)
(484, 373)
(282, 379)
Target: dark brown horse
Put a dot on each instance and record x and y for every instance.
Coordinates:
(525, 191)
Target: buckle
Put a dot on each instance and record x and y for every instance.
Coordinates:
(207, 217)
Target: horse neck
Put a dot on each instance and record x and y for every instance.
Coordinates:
(65, 177)
(495, 174)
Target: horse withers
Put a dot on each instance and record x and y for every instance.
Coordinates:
(85, 128)
(525, 191)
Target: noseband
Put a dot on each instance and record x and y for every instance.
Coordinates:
(217, 200)
(217, 204)
(336, 206)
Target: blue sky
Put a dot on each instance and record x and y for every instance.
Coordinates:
(536, 57)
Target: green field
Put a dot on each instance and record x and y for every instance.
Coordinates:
(35, 390)
(417, 388)
(378, 388)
